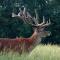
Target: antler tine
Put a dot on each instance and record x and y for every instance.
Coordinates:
(24, 11)
(43, 19)
(35, 19)
(47, 23)
(20, 11)
(29, 15)
(13, 14)
(42, 22)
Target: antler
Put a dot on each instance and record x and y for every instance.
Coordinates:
(42, 22)
(24, 15)
(27, 18)
(35, 19)
(19, 15)
(47, 23)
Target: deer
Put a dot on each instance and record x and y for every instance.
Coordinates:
(38, 28)
(27, 44)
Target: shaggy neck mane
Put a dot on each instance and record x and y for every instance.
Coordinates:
(34, 35)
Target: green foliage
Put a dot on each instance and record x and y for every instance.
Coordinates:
(12, 27)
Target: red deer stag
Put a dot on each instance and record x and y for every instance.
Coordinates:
(26, 44)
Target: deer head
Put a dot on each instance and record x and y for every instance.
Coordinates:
(38, 27)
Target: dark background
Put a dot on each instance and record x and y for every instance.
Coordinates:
(14, 27)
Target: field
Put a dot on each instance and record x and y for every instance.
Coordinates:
(41, 52)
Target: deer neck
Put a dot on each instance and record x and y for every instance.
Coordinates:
(36, 37)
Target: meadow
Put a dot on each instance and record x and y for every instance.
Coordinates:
(40, 52)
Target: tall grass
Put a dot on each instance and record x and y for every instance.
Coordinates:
(41, 52)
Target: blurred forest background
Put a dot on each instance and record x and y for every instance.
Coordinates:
(13, 27)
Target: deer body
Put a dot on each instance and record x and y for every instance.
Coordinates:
(20, 44)
(15, 44)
